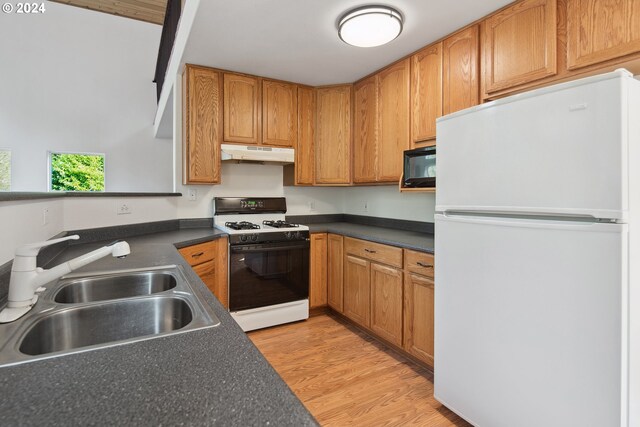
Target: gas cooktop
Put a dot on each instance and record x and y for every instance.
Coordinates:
(257, 219)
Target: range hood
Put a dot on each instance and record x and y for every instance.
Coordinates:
(257, 154)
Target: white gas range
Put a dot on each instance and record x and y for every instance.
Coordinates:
(268, 261)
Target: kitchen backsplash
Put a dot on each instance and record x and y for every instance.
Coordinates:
(238, 180)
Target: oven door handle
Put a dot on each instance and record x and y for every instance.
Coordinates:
(266, 247)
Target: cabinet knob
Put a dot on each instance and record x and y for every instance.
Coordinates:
(369, 251)
(199, 254)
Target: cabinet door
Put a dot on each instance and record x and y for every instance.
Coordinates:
(460, 70)
(519, 44)
(333, 135)
(207, 272)
(241, 109)
(365, 123)
(356, 289)
(386, 303)
(426, 94)
(418, 316)
(202, 115)
(210, 262)
(279, 113)
(599, 30)
(318, 271)
(393, 121)
(304, 166)
(335, 272)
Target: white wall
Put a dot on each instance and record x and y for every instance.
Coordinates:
(388, 202)
(23, 222)
(79, 80)
(81, 212)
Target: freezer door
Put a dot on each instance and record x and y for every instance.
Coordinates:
(529, 322)
(548, 151)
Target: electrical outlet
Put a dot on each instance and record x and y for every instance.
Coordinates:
(193, 194)
(311, 206)
(365, 206)
(123, 209)
(45, 216)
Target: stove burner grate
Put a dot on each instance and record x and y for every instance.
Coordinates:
(279, 224)
(242, 225)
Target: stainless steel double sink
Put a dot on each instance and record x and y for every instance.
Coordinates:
(83, 312)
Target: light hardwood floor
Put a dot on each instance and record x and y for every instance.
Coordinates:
(346, 378)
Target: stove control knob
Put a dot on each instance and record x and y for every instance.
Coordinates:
(287, 234)
(254, 237)
(243, 238)
(296, 234)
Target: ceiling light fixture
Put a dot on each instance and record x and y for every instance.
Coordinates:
(370, 26)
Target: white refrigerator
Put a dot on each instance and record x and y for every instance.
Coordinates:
(537, 268)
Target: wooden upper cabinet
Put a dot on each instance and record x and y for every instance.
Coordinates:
(519, 45)
(599, 30)
(333, 135)
(279, 113)
(241, 109)
(393, 120)
(365, 128)
(460, 70)
(202, 116)
(304, 166)
(426, 94)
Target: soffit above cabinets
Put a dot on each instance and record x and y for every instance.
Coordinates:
(143, 10)
(297, 40)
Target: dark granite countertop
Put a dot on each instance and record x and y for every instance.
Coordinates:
(214, 376)
(416, 240)
(9, 196)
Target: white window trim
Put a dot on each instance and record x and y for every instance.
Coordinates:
(10, 168)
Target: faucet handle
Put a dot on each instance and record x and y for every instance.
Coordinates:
(32, 249)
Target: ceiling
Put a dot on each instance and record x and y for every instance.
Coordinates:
(142, 10)
(297, 40)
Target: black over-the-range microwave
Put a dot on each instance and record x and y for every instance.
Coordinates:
(420, 167)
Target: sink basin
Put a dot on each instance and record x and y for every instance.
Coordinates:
(109, 287)
(99, 324)
(84, 312)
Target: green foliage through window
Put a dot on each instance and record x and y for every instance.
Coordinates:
(77, 172)
(5, 170)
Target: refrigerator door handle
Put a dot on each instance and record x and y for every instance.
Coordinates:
(576, 224)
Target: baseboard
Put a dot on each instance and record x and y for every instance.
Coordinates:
(318, 311)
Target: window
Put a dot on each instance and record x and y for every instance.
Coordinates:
(5, 170)
(76, 171)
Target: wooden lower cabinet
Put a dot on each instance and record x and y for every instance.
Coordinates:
(335, 272)
(418, 316)
(386, 302)
(385, 289)
(210, 260)
(357, 289)
(318, 271)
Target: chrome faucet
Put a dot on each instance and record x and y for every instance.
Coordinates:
(27, 279)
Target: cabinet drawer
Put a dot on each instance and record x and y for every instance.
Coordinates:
(384, 254)
(197, 254)
(418, 262)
